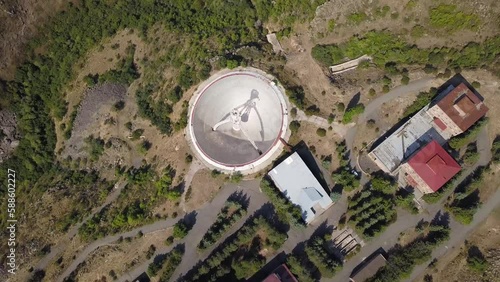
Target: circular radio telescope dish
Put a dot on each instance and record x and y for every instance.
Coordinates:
(236, 121)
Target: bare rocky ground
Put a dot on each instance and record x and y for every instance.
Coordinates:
(9, 137)
(93, 109)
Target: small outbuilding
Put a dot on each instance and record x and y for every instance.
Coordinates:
(368, 268)
(294, 179)
(281, 274)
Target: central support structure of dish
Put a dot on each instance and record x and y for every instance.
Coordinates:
(236, 121)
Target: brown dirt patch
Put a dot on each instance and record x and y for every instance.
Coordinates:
(453, 266)
(204, 187)
(120, 257)
(319, 146)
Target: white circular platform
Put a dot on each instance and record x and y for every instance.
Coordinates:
(236, 120)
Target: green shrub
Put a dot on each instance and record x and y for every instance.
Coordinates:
(449, 18)
(321, 132)
(340, 107)
(417, 31)
(294, 126)
(357, 18)
(331, 25)
(95, 147)
(353, 112)
(423, 98)
(118, 106)
(180, 230)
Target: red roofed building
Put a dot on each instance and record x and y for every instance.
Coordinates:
(281, 274)
(457, 110)
(430, 168)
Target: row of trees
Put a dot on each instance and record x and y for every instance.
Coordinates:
(165, 265)
(227, 217)
(371, 210)
(343, 176)
(403, 259)
(468, 136)
(241, 255)
(286, 210)
(465, 200)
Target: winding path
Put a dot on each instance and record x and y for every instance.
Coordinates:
(205, 216)
(63, 242)
(376, 104)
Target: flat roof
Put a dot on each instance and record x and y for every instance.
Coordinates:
(462, 106)
(434, 165)
(369, 268)
(294, 179)
(407, 139)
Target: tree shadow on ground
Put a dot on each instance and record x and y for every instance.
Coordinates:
(354, 101)
(242, 198)
(190, 219)
(441, 218)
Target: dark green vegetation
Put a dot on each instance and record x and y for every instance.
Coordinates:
(352, 113)
(465, 201)
(298, 266)
(423, 98)
(320, 256)
(180, 230)
(239, 256)
(84, 190)
(286, 210)
(135, 204)
(164, 265)
(468, 136)
(227, 217)
(403, 259)
(372, 209)
(433, 198)
(164, 185)
(385, 47)
(471, 155)
(343, 177)
(495, 150)
(286, 11)
(476, 260)
(294, 126)
(95, 147)
(449, 18)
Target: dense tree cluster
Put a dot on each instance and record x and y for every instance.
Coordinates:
(286, 210)
(370, 212)
(318, 254)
